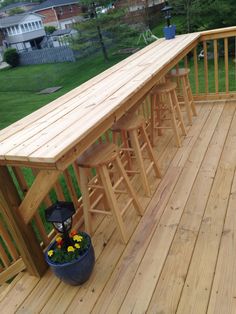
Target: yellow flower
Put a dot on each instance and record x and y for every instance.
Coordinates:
(58, 239)
(50, 253)
(77, 245)
(77, 238)
(70, 249)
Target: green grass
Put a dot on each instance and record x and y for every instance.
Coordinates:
(19, 86)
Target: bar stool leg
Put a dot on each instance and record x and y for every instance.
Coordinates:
(137, 151)
(176, 103)
(86, 199)
(137, 205)
(150, 153)
(190, 96)
(152, 120)
(186, 101)
(173, 120)
(108, 190)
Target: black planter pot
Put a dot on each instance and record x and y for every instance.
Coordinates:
(75, 272)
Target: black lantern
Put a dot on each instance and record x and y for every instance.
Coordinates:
(60, 215)
(167, 11)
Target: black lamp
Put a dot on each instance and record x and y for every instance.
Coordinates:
(60, 215)
(167, 11)
(169, 30)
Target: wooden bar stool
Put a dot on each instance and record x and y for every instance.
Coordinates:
(181, 77)
(134, 127)
(164, 98)
(105, 159)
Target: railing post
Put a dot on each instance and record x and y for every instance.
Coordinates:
(22, 233)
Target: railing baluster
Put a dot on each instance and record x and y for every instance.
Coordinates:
(205, 67)
(216, 69)
(186, 61)
(226, 50)
(196, 70)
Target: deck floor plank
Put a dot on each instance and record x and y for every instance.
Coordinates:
(223, 295)
(197, 288)
(147, 275)
(168, 290)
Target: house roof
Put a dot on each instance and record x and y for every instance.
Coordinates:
(61, 32)
(14, 19)
(16, 5)
(53, 3)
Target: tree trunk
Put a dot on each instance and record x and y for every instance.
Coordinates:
(104, 51)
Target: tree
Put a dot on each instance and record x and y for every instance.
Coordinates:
(185, 8)
(16, 11)
(201, 15)
(102, 27)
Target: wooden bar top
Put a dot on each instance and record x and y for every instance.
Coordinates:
(64, 128)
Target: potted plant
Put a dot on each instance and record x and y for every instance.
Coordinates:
(169, 30)
(71, 255)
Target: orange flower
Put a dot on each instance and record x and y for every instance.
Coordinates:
(73, 233)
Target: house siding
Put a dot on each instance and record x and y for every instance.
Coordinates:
(53, 16)
(26, 36)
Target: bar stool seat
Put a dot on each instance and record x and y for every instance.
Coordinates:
(164, 98)
(136, 141)
(181, 77)
(105, 159)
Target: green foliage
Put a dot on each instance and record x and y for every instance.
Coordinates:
(104, 30)
(49, 29)
(16, 11)
(200, 15)
(12, 57)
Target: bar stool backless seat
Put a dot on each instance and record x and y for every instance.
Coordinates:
(135, 128)
(181, 76)
(164, 98)
(105, 159)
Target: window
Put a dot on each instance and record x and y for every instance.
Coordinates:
(9, 31)
(17, 29)
(40, 24)
(30, 26)
(22, 28)
(60, 11)
(26, 27)
(33, 25)
(71, 8)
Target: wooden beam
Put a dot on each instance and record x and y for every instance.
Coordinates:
(23, 234)
(226, 50)
(12, 271)
(36, 194)
(196, 70)
(218, 33)
(213, 96)
(205, 67)
(216, 70)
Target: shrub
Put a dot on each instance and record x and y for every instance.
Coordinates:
(49, 29)
(12, 57)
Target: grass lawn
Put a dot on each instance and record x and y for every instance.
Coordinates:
(19, 86)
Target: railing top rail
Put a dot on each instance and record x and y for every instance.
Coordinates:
(218, 33)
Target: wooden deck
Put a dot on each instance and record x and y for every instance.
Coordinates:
(181, 257)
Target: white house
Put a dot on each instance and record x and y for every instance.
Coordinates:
(22, 31)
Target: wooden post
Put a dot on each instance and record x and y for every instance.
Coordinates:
(22, 233)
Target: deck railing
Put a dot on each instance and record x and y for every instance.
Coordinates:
(24, 232)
